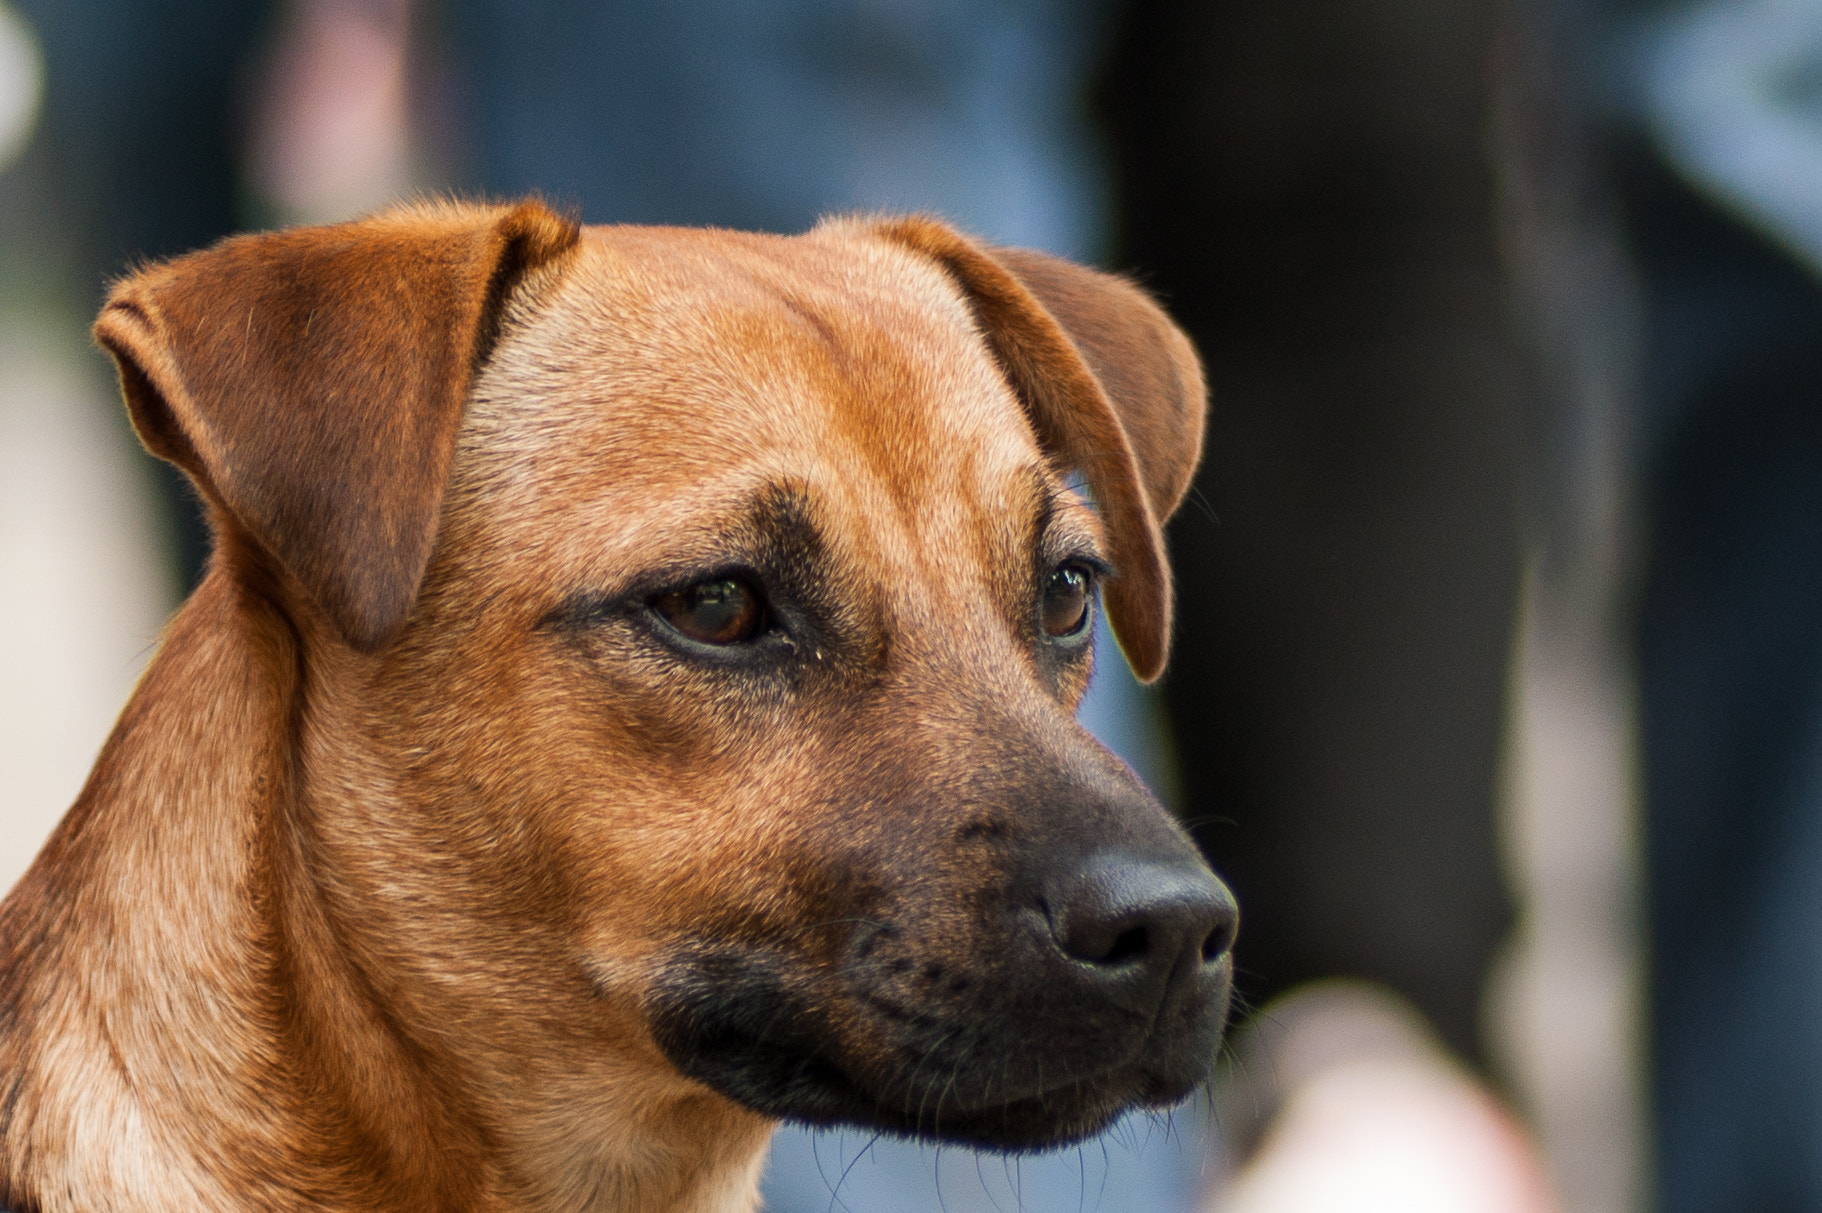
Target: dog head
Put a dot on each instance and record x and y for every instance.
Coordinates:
(689, 627)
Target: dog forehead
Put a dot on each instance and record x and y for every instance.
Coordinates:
(668, 363)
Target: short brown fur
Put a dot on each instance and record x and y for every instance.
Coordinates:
(383, 888)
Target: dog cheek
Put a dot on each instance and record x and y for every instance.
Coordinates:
(1073, 679)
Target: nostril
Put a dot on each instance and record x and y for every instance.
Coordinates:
(1220, 940)
(1106, 941)
(1127, 945)
(1215, 946)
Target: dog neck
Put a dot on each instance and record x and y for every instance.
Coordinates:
(215, 1048)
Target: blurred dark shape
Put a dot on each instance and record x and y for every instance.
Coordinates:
(1307, 186)
(1730, 666)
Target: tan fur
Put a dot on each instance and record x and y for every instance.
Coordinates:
(363, 904)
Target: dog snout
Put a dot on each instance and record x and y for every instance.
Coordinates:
(1142, 931)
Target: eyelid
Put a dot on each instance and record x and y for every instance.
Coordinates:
(655, 587)
(1093, 563)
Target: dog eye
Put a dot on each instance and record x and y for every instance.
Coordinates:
(1064, 611)
(721, 611)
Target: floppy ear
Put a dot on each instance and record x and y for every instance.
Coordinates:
(1113, 390)
(311, 383)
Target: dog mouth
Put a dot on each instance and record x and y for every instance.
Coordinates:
(1003, 1062)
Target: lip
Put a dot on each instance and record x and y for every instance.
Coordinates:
(811, 1088)
(751, 1029)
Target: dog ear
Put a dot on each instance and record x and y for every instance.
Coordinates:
(1113, 389)
(311, 383)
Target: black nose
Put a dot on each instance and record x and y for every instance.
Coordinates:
(1140, 926)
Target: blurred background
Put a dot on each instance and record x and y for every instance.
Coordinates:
(1495, 688)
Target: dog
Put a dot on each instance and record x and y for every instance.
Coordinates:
(630, 703)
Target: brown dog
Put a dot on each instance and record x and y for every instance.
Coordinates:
(631, 702)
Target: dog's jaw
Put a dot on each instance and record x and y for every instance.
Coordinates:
(788, 1062)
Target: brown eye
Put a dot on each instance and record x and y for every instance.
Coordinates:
(1065, 608)
(725, 610)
